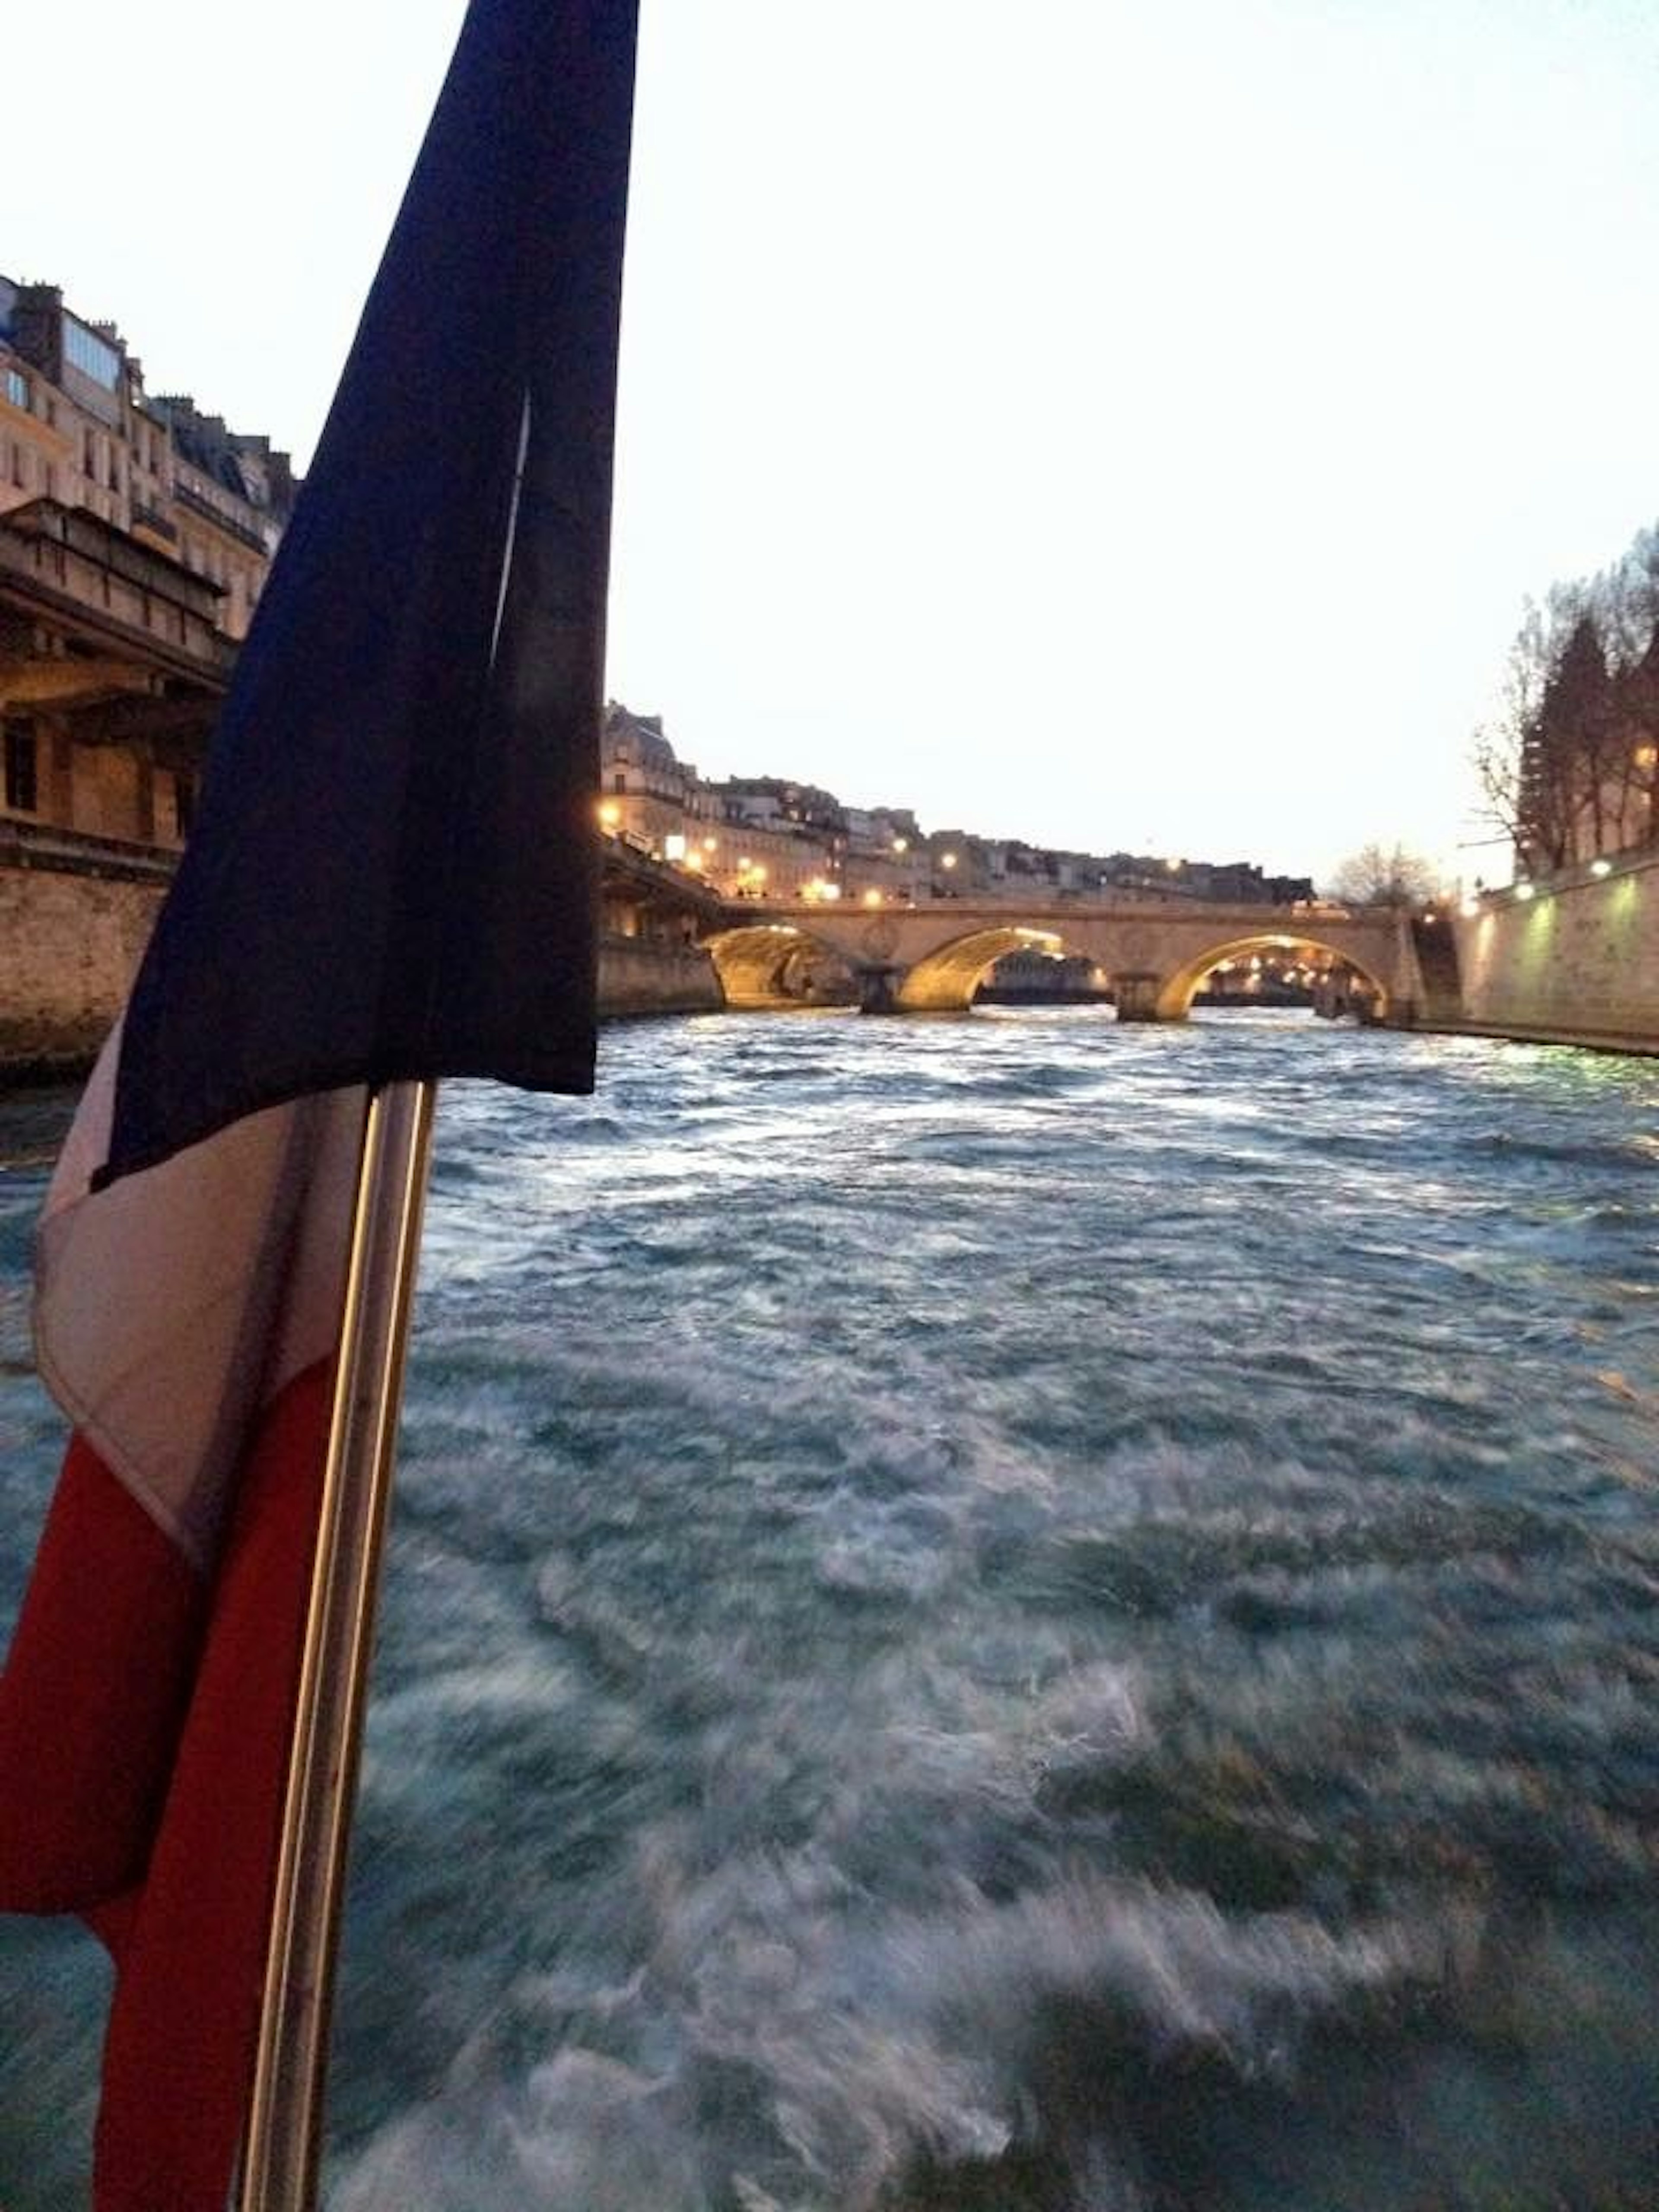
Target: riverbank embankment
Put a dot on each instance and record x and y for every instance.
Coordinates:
(73, 927)
(638, 977)
(76, 913)
(1572, 960)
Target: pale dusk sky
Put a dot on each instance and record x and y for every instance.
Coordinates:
(1112, 425)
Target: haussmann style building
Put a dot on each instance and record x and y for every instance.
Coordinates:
(136, 533)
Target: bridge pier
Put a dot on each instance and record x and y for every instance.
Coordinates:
(875, 992)
(1137, 997)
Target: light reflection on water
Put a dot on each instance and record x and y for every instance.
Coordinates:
(1005, 1612)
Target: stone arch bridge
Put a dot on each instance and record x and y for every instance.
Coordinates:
(1155, 952)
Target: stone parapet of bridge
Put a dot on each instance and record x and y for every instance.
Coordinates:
(932, 957)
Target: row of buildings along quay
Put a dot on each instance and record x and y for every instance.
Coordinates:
(766, 838)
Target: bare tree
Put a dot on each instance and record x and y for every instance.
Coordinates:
(1501, 744)
(1568, 765)
(1379, 876)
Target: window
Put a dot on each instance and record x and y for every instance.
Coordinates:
(22, 788)
(91, 355)
(17, 388)
(183, 805)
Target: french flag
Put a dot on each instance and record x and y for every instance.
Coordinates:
(391, 876)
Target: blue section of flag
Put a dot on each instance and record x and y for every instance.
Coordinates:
(392, 872)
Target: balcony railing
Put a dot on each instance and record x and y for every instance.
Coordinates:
(73, 852)
(244, 534)
(153, 519)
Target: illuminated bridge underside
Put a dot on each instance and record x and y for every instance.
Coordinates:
(756, 963)
(933, 959)
(947, 979)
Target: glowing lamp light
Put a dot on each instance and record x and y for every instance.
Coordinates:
(832, 891)
(947, 859)
(1601, 867)
(872, 898)
(900, 846)
(673, 846)
(1470, 907)
(711, 844)
(1526, 890)
(610, 814)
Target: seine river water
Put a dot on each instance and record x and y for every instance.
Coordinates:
(994, 1612)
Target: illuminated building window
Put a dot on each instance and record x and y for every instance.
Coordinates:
(23, 788)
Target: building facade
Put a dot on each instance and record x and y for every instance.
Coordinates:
(135, 537)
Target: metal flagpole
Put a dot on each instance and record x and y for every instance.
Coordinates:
(282, 2147)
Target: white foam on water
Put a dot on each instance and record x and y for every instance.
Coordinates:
(846, 2047)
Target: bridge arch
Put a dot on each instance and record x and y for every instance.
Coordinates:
(769, 963)
(1176, 989)
(947, 979)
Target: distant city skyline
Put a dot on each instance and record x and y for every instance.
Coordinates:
(1139, 434)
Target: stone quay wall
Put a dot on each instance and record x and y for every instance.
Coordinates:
(69, 945)
(637, 976)
(1577, 963)
(72, 939)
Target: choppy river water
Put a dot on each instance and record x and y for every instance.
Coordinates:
(989, 1614)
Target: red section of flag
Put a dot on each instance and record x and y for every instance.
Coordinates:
(144, 1726)
(93, 1697)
